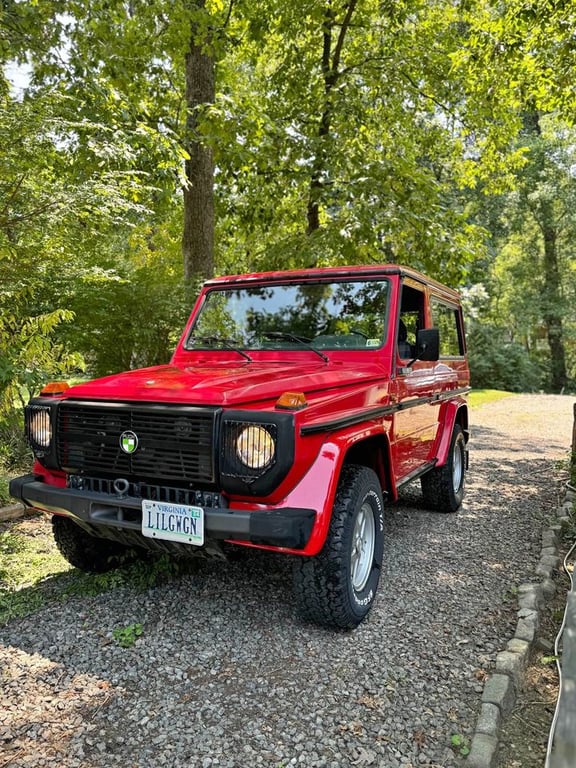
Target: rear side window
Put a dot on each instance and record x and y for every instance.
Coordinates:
(447, 318)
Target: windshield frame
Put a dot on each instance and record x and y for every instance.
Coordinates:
(231, 344)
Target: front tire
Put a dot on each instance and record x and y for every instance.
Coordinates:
(84, 551)
(337, 587)
(443, 487)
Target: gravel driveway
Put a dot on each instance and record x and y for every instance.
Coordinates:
(225, 674)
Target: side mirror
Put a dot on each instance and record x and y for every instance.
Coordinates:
(428, 344)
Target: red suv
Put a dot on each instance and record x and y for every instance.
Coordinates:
(294, 405)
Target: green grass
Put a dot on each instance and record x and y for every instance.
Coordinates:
(5, 477)
(4, 495)
(33, 574)
(27, 558)
(482, 396)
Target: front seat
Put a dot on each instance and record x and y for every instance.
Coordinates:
(404, 349)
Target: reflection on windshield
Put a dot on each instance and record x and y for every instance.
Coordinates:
(323, 315)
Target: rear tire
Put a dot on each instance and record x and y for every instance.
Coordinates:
(86, 552)
(337, 587)
(443, 487)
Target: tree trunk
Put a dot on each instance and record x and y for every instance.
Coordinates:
(330, 75)
(199, 220)
(552, 298)
(552, 311)
(319, 165)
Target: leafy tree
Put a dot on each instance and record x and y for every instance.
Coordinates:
(342, 121)
(530, 275)
(271, 134)
(58, 220)
(497, 363)
(547, 196)
(346, 129)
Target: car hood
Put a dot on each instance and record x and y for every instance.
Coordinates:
(223, 384)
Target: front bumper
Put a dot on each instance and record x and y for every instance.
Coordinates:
(121, 518)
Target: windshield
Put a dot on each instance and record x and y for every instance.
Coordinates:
(319, 315)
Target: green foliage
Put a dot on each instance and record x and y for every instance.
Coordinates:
(14, 451)
(4, 493)
(528, 284)
(460, 744)
(29, 353)
(390, 175)
(132, 313)
(404, 123)
(54, 218)
(388, 164)
(15, 455)
(125, 637)
(523, 52)
(499, 364)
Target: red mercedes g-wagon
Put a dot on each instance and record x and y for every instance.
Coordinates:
(295, 404)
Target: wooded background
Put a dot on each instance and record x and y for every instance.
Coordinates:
(147, 144)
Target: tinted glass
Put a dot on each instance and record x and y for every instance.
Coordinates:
(446, 319)
(326, 315)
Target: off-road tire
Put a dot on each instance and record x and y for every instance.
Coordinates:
(87, 552)
(443, 487)
(324, 584)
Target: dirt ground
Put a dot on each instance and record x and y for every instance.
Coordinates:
(525, 733)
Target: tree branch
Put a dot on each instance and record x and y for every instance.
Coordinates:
(15, 189)
(343, 30)
(12, 220)
(228, 15)
(448, 110)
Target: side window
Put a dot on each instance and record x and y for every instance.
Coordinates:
(411, 321)
(446, 318)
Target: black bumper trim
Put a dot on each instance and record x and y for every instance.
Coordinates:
(290, 527)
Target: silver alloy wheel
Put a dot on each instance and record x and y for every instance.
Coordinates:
(363, 541)
(457, 467)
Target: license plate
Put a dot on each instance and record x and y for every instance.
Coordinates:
(173, 522)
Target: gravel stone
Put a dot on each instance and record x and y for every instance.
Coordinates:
(225, 674)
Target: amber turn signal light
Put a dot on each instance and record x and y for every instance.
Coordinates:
(55, 388)
(292, 401)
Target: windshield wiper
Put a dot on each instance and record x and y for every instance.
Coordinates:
(230, 344)
(297, 340)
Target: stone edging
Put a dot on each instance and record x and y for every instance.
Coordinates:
(11, 512)
(500, 690)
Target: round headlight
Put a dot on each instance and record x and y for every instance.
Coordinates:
(40, 428)
(255, 447)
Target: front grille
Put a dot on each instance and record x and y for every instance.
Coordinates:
(173, 443)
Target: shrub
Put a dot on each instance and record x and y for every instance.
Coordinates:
(497, 364)
(14, 451)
